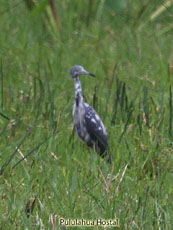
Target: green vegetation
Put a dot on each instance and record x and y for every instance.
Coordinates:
(128, 46)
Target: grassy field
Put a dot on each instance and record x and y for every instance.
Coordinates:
(127, 44)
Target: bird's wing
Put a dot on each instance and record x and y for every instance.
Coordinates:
(96, 128)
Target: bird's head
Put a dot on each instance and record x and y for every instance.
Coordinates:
(78, 70)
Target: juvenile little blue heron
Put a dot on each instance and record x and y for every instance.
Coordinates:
(88, 124)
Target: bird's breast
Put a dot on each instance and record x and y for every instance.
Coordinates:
(79, 121)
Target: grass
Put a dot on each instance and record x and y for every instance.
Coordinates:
(130, 53)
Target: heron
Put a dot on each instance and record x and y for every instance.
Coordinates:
(87, 122)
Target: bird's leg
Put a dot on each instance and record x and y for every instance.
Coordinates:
(95, 150)
(89, 156)
(91, 150)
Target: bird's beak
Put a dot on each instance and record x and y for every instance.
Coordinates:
(88, 73)
(92, 75)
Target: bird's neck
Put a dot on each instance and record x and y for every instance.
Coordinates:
(78, 91)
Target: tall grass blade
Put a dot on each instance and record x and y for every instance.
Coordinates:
(2, 85)
(116, 100)
(110, 90)
(4, 116)
(95, 99)
(146, 106)
(4, 129)
(171, 113)
(54, 13)
(33, 150)
(100, 9)
(145, 203)
(157, 13)
(129, 115)
(14, 153)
